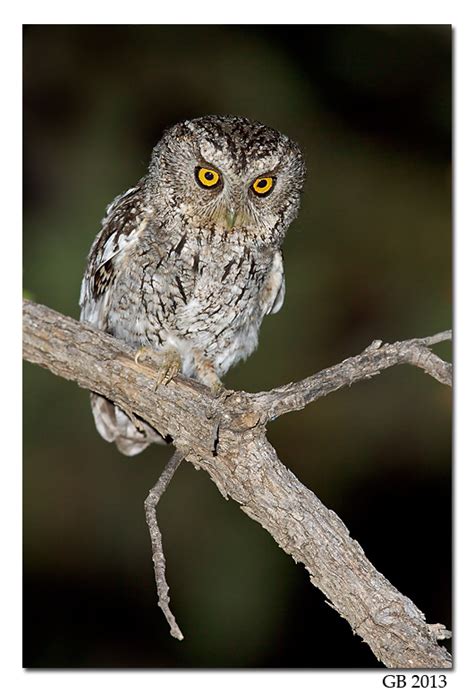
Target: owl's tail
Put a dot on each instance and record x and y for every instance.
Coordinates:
(116, 427)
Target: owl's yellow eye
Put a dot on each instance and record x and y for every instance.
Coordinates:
(207, 177)
(262, 186)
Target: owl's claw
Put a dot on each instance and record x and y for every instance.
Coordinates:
(140, 354)
(168, 362)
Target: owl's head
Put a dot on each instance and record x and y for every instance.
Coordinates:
(230, 174)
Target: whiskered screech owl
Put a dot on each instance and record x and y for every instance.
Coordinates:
(188, 262)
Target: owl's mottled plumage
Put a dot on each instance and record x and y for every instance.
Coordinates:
(179, 265)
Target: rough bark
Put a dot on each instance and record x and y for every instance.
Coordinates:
(226, 436)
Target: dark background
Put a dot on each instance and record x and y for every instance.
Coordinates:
(369, 257)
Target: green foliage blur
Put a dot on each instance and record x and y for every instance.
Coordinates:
(368, 257)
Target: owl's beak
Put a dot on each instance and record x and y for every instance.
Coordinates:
(230, 218)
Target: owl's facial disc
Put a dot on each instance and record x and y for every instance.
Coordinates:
(226, 197)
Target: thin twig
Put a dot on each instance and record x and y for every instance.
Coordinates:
(158, 556)
(445, 336)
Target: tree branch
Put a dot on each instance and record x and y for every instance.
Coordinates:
(226, 437)
(374, 359)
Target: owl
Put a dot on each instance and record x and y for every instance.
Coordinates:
(188, 261)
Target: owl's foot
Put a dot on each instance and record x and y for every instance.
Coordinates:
(167, 362)
(207, 373)
(217, 387)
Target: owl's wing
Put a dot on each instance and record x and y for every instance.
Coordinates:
(121, 227)
(124, 220)
(273, 290)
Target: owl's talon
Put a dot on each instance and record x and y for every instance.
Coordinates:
(168, 362)
(142, 351)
